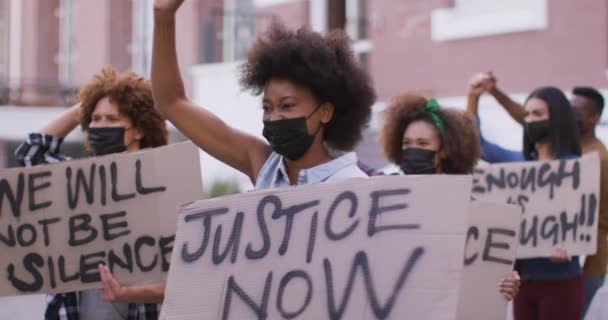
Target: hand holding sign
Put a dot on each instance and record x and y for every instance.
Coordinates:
(509, 287)
(112, 291)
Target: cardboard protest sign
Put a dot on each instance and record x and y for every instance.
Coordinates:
(490, 249)
(559, 202)
(58, 222)
(376, 248)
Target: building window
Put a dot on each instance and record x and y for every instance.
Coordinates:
(228, 32)
(478, 18)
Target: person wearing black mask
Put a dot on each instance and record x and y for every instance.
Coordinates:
(422, 138)
(116, 112)
(316, 101)
(552, 289)
(588, 104)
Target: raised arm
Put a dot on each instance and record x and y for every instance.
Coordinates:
(515, 110)
(490, 152)
(239, 150)
(64, 124)
(43, 146)
(476, 88)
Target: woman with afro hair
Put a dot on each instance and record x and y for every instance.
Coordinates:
(422, 138)
(316, 100)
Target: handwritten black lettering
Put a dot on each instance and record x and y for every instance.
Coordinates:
(103, 184)
(9, 238)
(15, 198)
(498, 182)
(138, 184)
(547, 232)
(528, 179)
(360, 262)
(81, 224)
(33, 187)
(205, 217)
(251, 253)
(31, 263)
(312, 237)
(290, 213)
(352, 198)
(568, 226)
(52, 280)
(26, 235)
(283, 284)
(376, 210)
(139, 243)
(491, 244)
(45, 228)
(88, 266)
(472, 232)
(63, 275)
(260, 310)
(108, 226)
(477, 183)
(531, 234)
(166, 247)
(233, 242)
(115, 260)
(88, 186)
(116, 196)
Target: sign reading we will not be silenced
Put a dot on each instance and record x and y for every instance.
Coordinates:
(58, 222)
(559, 201)
(374, 248)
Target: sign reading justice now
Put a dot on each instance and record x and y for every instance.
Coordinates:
(385, 247)
(58, 222)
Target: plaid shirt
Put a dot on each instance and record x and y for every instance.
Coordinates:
(41, 149)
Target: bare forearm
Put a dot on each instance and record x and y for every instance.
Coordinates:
(167, 84)
(473, 105)
(64, 124)
(515, 110)
(237, 149)
(153, 294)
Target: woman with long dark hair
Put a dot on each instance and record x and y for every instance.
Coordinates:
(552, 289)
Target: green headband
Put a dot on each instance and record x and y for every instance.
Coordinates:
(431, 108)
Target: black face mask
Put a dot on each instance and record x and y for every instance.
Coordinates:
(107, 140)
(537, 130)
(418, 161)
(289, 137)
